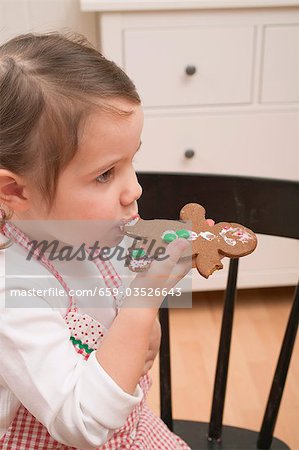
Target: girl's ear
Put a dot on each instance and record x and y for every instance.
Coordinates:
(12, 191)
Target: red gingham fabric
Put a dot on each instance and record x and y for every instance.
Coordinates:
(142, 431)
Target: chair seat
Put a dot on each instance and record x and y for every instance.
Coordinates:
(233, 438)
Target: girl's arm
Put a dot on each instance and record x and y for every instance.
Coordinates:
(76, 400)
(80, 402)
(154, 346)
(123, 352)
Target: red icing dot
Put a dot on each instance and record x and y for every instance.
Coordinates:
(92, 332)
(80, 326)
(91, 326)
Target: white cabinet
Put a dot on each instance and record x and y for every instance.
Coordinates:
(239, 144)
(219, 59)
(221, 78)
(280, 71)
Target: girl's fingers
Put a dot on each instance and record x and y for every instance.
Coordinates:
(173, 253)
(180, 270)
(161, 275)
(175, 250)
(160, 270)
(167, 271)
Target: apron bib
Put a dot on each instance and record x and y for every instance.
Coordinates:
(142, 430)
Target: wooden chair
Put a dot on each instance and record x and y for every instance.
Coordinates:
(267, 206)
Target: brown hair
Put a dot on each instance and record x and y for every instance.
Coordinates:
(49, 84)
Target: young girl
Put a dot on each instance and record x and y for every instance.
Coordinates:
(73, 375)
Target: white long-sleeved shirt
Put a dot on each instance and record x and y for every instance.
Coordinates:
(76, 400)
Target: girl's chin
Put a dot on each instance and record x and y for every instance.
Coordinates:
(114, 240)
(119, 239)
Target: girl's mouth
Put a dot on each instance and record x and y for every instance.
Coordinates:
(129, 222)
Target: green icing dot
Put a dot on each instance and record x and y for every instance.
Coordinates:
(185, 234)
(169, 237)
(138, 253)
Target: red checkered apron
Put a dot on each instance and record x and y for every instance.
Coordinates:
(142, 430)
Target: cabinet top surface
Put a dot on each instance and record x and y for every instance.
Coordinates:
(151, 5)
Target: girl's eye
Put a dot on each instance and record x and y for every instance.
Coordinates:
(105, 177)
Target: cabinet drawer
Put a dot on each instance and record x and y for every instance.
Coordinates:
(280, 75)
(264, 144)
(222, 57)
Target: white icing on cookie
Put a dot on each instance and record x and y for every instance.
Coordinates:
(228, 240)
(207, 235)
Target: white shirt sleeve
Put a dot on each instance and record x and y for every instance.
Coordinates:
(76, 400)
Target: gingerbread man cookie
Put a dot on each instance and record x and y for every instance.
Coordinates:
(209, 243)
(213, 243)
(151, 238)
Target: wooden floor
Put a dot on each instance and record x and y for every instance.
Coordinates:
(259, 323)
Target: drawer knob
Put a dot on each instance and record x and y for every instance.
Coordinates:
(190, 70)
(189, 153)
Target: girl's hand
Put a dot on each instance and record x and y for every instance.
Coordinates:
(154, 345)
(168, 272)
(163, 274)
(155, 338)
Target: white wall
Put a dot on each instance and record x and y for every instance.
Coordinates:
(23, 16)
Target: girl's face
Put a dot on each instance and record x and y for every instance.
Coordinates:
(100, 182)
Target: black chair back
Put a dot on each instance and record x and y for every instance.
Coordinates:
(267, 206)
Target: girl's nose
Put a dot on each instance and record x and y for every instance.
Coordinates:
(131, 192)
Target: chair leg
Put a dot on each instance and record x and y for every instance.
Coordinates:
(165, 368)
(278, 383)
(215, 426)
